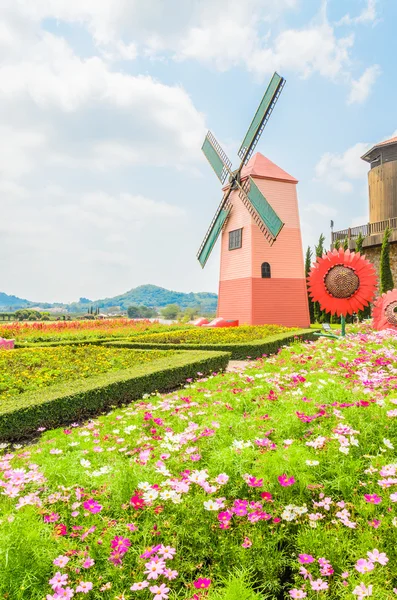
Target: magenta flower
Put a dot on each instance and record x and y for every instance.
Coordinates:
(202, 583)
(246, 543)
(92, 506)
(254, 482)
(61, 561)
(120, 543)
(89, 562)
(285, 481)
(305, 559)
(267, 496)
(372, 498)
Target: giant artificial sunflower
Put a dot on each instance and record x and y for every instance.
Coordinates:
(384, 313)
(343, 282)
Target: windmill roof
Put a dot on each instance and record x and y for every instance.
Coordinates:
(262, 167)
(367, 155)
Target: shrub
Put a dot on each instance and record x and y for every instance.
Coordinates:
(77, 400)
(239, 351)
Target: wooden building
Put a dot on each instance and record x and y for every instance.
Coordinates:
(382, 189)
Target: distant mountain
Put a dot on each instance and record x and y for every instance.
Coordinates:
(144, 295)
(156, 297)
(12, 302)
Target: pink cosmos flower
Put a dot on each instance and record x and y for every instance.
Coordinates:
(61, 561)
(131, 526)
(362, 591)
(285, 481)
(319, 585)
(92, 506)
(84, 587)
(159, 591)
(89, 562)
(375, 523)
(167, 552)
(202, 583)
(65, 593)
(154, 569)
(170, 574)
(297, 593)
(372, 498)
(58, 581)
(140, 585)
(379, 557)
(364, 566)
(305, 559)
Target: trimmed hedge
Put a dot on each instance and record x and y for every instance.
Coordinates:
(241, 351)
(74, 401)
(76, 342)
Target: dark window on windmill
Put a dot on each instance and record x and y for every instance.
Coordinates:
(266, 272)
(235, 239)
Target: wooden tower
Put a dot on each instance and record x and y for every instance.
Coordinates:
(262, 279)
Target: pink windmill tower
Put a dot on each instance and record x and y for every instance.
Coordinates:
(262, 278)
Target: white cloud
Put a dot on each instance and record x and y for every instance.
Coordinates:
(338, 170)
(367, 15)
(321, 209)
(361, 88)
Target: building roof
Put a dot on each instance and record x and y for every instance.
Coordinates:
(368, 155)
(262, 167)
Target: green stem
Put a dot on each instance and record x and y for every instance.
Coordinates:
(343, 325)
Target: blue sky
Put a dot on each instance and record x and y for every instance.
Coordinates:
(104, 105)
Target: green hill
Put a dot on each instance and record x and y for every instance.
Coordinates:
(156, 297)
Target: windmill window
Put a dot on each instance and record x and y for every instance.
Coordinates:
(235, 239)
(266, 272)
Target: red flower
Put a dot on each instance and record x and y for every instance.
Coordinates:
(383, 313)
(343, 282)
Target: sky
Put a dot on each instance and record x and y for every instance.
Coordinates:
(104, 105)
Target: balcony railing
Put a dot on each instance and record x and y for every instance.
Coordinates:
(369, 229)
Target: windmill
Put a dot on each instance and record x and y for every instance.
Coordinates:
(267, 219)
(246, 211)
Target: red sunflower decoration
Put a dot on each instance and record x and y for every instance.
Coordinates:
(343, 282)
(384, 313)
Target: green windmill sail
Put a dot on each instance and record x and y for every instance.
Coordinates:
(264, 215)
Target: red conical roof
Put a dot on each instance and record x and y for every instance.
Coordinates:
(262, 167)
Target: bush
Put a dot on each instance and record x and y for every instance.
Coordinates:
(73, 401)
(239, 351)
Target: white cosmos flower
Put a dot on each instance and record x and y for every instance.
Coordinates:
(388, 443)
(144, 485)
(85, 463)
(211, 505)
(312, 463)
(150, 495)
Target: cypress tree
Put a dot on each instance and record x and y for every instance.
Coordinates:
(319, 249)
(362, 314)
(346, 244)
(337, 244)
(308, 263)
(386, 277)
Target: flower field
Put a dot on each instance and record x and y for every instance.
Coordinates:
(276, 482)
(30, 369)
(78, 330)
(213, 335)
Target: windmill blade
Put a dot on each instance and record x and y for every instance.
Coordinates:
(218, 222)
(261, 117)
(216, 157)
(261, 211)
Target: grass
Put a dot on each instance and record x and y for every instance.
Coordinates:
(213, 335)
(31, 369)
(240, 473)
